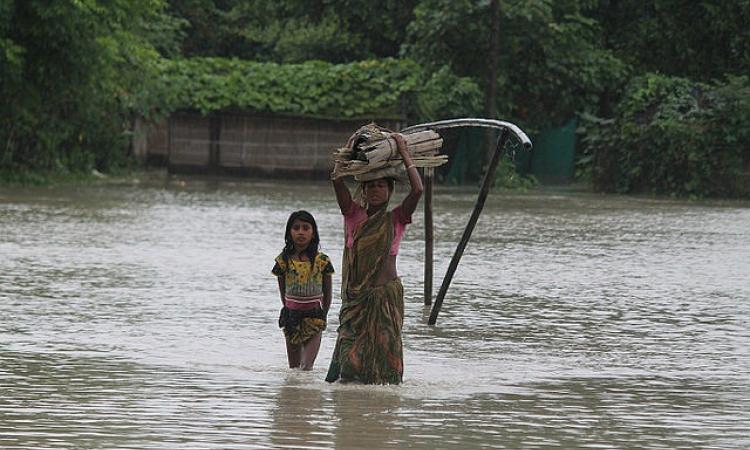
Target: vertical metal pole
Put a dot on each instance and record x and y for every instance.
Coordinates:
(486, 184)
(429, 173)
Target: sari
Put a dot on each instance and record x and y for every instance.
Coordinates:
(369, 347)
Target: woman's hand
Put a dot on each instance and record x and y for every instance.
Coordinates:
(335, 171)
(402, 150)
(409, 204)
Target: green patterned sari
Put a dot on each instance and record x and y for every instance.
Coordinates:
(369, 348)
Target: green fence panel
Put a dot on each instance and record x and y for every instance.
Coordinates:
(466, 163)
(553, 156)
(551, 161)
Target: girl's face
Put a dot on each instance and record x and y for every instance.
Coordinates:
(302, 233)
(377, 192)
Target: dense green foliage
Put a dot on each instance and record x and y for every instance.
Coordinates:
(672, 136)
(69, 71)
(365, 89)
(75, 73)
(552, 64)
(700, 40)
(293, 31)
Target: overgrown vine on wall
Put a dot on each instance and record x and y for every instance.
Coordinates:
(385, 88)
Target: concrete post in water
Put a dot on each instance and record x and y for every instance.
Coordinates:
(429, 173)
(489, 177)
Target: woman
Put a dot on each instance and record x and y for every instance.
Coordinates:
(368, 348)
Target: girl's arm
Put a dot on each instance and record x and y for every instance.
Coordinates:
(343, 196)
(409, 204)
(282, 288)
(327, 292)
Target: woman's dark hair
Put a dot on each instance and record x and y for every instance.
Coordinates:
(312, 249)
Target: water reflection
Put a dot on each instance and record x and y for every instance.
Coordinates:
(367, 417)
(312, 414)
(300, 416)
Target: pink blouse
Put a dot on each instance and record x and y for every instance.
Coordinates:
(357, 215)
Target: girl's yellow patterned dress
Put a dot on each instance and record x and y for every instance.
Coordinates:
(304, 315)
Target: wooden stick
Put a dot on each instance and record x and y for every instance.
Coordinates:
(429, 173)
(488, 179)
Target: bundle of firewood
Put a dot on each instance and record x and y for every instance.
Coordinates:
(372, 153)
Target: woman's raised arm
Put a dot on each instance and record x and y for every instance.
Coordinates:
(343, 196)
(409, 204)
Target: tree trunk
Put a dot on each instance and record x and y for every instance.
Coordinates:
(490, 86)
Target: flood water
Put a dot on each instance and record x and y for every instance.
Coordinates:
(144, 316)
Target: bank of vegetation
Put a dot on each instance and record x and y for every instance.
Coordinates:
(659, 86)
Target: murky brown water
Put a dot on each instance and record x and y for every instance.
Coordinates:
(144, 316)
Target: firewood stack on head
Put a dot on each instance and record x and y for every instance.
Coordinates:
(371, 153)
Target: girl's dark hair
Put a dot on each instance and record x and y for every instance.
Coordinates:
(312, 249)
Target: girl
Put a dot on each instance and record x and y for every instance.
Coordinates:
(304, 276)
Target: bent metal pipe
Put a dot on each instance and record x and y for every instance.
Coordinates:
(471, 122)
(507, 129)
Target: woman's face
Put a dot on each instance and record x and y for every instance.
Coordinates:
(377, 192)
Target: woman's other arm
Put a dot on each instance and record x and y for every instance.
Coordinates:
(343, 196)
(409, 204)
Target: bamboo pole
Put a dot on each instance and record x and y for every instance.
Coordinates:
(429, 173)
(488, 179)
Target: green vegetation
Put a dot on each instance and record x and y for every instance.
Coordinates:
(70, 71)
(507, 177)
(373, 88)
(659, 84)
(671, 135)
